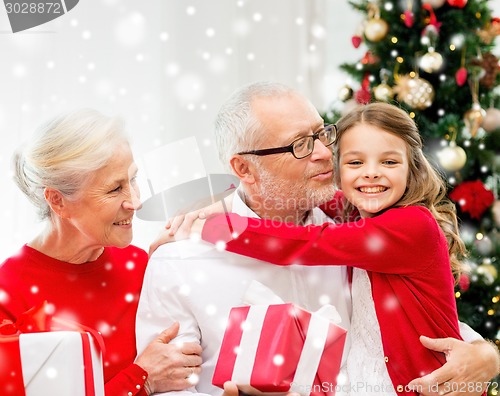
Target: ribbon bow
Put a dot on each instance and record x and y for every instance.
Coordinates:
(433, 21)
(34, 320)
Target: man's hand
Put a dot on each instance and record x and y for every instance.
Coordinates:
(230, 389)
(468, 368)
(170, 367)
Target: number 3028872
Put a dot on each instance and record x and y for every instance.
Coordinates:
(33, 8)
(466, 387)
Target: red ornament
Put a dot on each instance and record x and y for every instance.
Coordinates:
(363, 96)
(409, 18)
(434, 25)
(461, 76)
(356, 41)
(369, 59)
(457, 3)
(473, 198)
(464, 282)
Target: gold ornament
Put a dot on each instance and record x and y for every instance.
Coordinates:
(496, 212)
(431, 62)
(490, 31)
(491, 120)
(416, 92)
(376, 29)
(345, 93)
(383, 92)
(452, 158)
(473, 118)
(436, 3)
(489, 272)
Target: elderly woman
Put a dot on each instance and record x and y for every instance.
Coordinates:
(80, 173)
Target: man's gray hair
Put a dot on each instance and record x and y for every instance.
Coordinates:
(236, 126)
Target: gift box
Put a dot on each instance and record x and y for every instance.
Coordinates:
(43, 363)
(279, 348)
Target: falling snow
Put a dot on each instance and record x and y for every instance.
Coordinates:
(131, 30)
(4, 297)
(278, 360)
(130, 265)
(129, 297)
(318, 343)
(104, 328)
(194, 379)
(246, 325)
(51, 372)
(324, 299)
(211, 309)
(220, 246)
(375, 244)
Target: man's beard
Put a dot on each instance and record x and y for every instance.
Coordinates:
(295, 197)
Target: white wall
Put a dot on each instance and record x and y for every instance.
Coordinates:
(165, 66)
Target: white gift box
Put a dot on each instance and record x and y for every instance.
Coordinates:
(54, 363)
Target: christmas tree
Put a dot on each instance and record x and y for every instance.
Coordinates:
(435, 60)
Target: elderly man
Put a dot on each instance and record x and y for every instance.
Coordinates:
(197, 285)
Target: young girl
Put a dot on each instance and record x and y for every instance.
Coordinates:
(401, 245)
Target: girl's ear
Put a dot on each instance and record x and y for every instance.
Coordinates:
(55, 200)
(243, 169)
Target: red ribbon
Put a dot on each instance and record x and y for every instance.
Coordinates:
(11, 372)
(88, 367)
(36, 320)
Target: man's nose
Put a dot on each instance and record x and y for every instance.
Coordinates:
(320, 151)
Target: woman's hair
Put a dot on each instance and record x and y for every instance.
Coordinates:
(64, 153)
(425, 186)
(236, 127)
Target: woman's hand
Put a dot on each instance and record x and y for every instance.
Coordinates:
(170, 367)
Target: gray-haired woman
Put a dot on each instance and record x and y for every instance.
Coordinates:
(80, 174)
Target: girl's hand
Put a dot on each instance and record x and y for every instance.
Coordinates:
(183, 222)
(190, 225)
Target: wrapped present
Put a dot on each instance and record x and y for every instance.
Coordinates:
(279, 348)
(36, 361)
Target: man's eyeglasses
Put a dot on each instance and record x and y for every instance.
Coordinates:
(301, 147)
